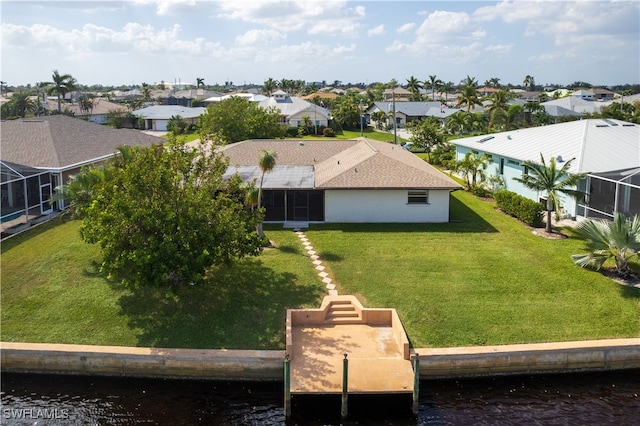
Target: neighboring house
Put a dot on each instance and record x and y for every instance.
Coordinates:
(601, 94)
(607, 150)
(157, 117)
(97, 114)
(358, 180)
(575, 104)
(293, 110)
(189, 97)
(407, 112)
(398, 93)
(251, 97)
(587, 95)
(41, 153)
(557, 111)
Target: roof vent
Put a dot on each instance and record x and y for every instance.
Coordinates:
(509, 137)
(301, 143)
(628, 125)
(488, 138)
(559, 159)
(602, 125)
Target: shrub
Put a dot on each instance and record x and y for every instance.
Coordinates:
(292, 132)
(526, 210)
(328, 132)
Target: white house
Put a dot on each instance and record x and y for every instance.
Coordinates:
(294, 109)
(337, 181)
(608, 151)
(157, 117)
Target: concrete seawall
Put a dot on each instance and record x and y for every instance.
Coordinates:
(219, 364)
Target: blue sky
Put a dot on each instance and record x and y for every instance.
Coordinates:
(136, 41)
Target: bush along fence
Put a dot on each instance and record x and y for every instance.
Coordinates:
(522, 208)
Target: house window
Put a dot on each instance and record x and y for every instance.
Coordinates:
(526, 170)
(418, 196)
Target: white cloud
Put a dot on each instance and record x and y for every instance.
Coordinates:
(325, 17)
(406, 27)
(340, 49)
(499, 49)
(169, 7)
(258, 37)
(379, 30)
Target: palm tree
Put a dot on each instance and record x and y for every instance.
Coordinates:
(618, 240)
(473, 166)
(433, 83)
(61, 85)
(22, 103)
(414, 86)
(468, 97)
(529, 83)
(552, 181)
(269, 85)
(267, 163)
(199, 82)
(145, 91)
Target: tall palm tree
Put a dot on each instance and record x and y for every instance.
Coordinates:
(266, 163)
(61, 85)
(434, 84)
(199, 82)
(552, 181)
(269, 85)
(447, 88)
(618, 240)
(529, 83)
(468, 97)
(414, 86)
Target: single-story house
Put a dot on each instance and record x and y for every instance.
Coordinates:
(607, 150)
(251, 97)
(97, 114)
(294, 109)
(41, 153)
(576, 104)
(407, 112)
(157, 117)
(337, 181)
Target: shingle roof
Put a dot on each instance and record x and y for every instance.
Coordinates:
(357, 163)
(59, 141)
(598, 145)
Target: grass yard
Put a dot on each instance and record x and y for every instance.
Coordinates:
(51, 292)
(485, 279)
(482, 279)
(353, 134)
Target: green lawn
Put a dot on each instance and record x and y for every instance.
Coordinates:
(482, 279)
(353, 134)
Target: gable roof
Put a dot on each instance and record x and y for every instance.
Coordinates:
(100, 107)
(60, 141)
(292, 105)
(597, 145)
(341, 164)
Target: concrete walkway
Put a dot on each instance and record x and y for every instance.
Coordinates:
(330, 286)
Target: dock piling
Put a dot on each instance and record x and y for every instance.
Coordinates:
(345, 380)
(416, 382)
(287, 387)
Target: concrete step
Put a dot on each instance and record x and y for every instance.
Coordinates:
(334, 308)
(345, 320)
(343, 314)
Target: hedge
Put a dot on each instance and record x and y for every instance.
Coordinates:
(526, 210)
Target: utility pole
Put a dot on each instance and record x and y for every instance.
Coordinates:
(395, 121)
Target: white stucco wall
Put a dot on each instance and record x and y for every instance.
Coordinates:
(344, 206)
(293, 120)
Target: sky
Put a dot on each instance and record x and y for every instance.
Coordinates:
(246, 42)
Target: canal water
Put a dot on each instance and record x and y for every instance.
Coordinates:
(611, 398)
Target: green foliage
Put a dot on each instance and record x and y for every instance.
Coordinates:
(528, 211)
(237, 119)
(551, 181)
(177, 125)
(328, 132)
(120, 118)
(618, 240)
(346, 114)
(164, 215)
(442, 154)
(472, 168)
(426, 133)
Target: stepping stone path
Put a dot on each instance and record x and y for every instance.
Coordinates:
(315, 259)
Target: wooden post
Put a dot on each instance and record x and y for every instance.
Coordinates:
(416, 382)
(287, 387)
(345, 380)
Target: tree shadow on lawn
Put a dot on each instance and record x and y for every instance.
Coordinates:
(242, 306)
(462, 219)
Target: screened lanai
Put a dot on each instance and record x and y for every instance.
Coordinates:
(611, 192)
(26, 192)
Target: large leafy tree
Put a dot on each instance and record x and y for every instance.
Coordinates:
(165, 215)
(61, 85)
(346, 113)
(552, 181)
(426, 133)
(618, 240)
(237, 119)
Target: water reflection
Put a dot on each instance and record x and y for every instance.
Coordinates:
(585, 399)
